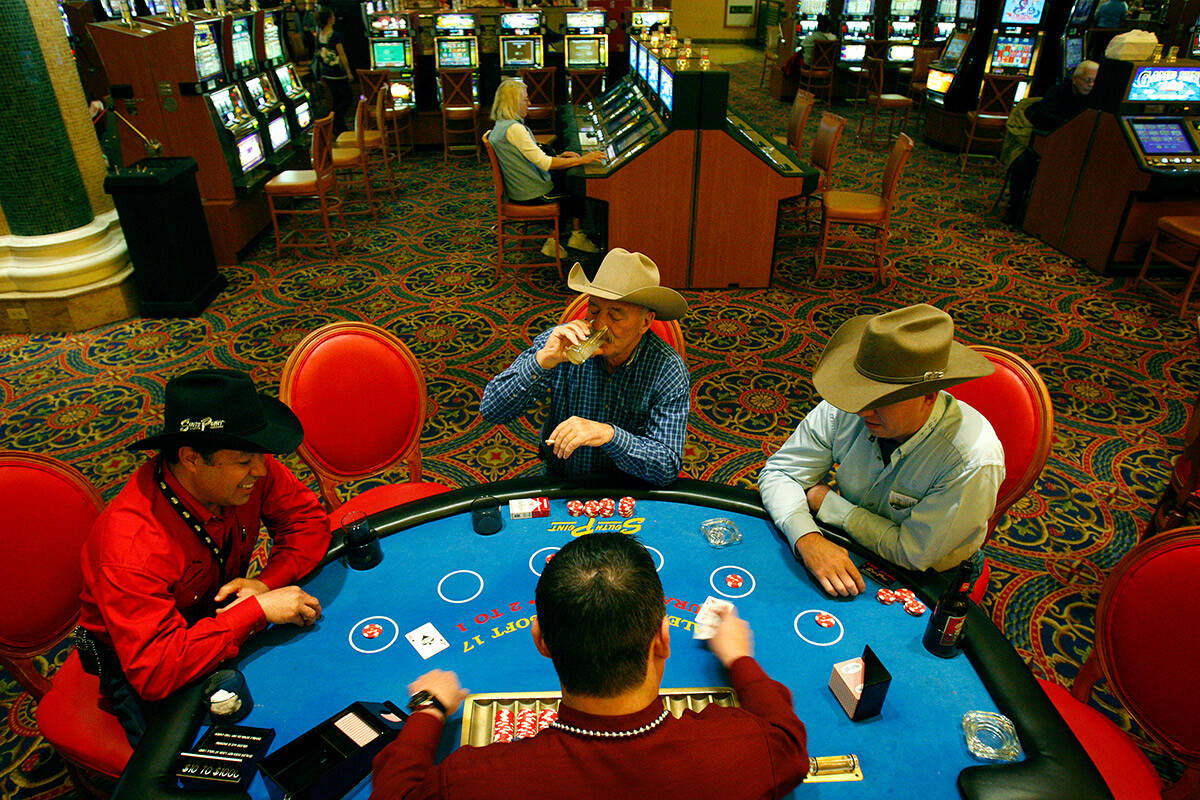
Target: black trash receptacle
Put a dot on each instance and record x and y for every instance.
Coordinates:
(174, 268)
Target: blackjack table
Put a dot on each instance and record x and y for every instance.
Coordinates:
(446, 597)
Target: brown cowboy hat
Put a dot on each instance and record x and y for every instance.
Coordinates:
(631, 278)
(875, 360)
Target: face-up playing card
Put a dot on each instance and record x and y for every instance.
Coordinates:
(707, 618)
(426, 640)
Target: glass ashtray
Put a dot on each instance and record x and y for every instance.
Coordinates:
(991, 736)
(720, 532)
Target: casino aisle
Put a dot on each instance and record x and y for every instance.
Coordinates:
(1121, 370)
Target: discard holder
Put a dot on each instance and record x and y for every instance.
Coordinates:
(328, 761)
(860, 684)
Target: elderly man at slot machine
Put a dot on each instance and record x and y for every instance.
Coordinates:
(621, 410)
(601, 620)
(917, 470)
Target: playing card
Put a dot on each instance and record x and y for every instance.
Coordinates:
(707, 617)
(426, 640)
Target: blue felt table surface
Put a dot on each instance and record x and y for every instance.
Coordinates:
(913, 749)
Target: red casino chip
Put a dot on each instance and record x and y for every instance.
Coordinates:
(504, 726)
(372, 631)
(608, 507)
(626, 506)
(546, 718)
(825, 620)
(734, 581)
(915, 607)
(906, 595)
(592, 508)
(575, 507)
(527, 724)
(886, 596)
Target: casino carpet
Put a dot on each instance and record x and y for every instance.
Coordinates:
(1122, 371)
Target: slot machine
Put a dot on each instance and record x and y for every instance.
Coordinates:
(456, 46)
(945, 17)
(585, 44)
(392, 48)
(295, 98)
(641, 21)
(858, 27)
(904, 31)
(1074, 38)
(272, 55)
(1017, 42)
(238, 32)
(244, 51)
(520, 41)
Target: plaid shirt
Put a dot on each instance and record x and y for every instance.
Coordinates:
(646, 400)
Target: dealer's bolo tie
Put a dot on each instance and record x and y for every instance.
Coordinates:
(189, 518)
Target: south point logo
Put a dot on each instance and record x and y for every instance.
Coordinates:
(201, 425)
(593, 525)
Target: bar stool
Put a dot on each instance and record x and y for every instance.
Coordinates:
(1182, 233)
(459, 113)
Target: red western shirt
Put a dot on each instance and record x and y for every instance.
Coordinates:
(149, 582)
(756, 751)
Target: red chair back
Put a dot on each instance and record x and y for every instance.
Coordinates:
(669, 331)
(49, 509)
(361, 397)
(1148, 638)
(1014, 399)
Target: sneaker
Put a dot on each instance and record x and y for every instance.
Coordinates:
(580, 241)
(548, 248)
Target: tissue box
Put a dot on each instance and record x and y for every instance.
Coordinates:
(528, 507)
(860, 684)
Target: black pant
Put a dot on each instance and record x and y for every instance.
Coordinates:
(100, 660)
(1021, 174)
(341, 98)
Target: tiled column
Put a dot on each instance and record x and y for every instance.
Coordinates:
(63, 260)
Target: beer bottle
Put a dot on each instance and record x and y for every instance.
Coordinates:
(949, 615)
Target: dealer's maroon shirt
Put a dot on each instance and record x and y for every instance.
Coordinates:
(755, 751)
(149, 582)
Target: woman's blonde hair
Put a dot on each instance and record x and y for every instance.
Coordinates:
(507, 104)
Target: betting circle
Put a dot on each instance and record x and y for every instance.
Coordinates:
(478, 591)
(534, 558)
(712, 581)
(362, 625)
(841, 630)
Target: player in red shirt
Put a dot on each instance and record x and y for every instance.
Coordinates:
(601, 620)
(166, 596)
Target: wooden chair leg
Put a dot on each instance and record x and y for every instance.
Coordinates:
(275, 224)
(324, 203)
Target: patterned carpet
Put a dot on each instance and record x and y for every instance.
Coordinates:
(1122, 371)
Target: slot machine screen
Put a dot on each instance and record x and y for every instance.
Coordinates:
(813, 7)
(392, 54)
(1159, 137)
(272, 36)
(258, 94)
(807, 26)
(243, 42)
(901, 52)
(278, 131)
(222, 103)
(250, 151)
(1015, 52)
(1166, 84)
(966, 10)
(1081, 13)
(519, 21)
(1022, 12)
(303, 115)
(1072, 52)
(947, 8)
(1196, 44)
(206, 50)
(906, 8)
(904, 30)
(584, 51)
(644, 66)
(666, 90)
(653, 72)
(517, 53)
(645, 19)
(455, 53)
(858, 29)
(156, 6)
(861, 8)
(944, 30)
(284, 76)
(854, 52)
(955, 48)
(938, 81)
(445, 23)
(585, 21)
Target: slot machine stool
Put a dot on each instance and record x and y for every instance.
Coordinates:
(1182, 233)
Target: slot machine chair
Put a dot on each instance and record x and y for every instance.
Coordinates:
(40, 588)
(864, 209)
(669, 331)
(1015, 400)
(356, 150)
(395, 120)
(817, 77)
(1174, 234)
(362, 398)
(515, 214)
(460, 114)
(290, 188)
(880, 101)
(918, 76)
(875, 48)
(771, 53)
(540, 118)
(986, 124)
(823, 157)
(798, 120)
(586, 85)
(1146, 648)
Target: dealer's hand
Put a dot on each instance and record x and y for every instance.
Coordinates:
(290, 604)
(241, 588)
(554, 351)
(830, 564)
(733, 638)
(576, 432)
(444, 686)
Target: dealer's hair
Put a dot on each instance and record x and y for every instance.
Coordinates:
(600, 604)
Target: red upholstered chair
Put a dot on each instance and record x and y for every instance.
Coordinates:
(1014, 399)
(1146, 650)
(669, 331)
(48, 512)
(361, 397)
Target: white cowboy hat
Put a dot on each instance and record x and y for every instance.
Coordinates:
(631, 278)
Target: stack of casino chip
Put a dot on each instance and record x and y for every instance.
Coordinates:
(546, 718)
(592, 508)
(527, 724)
(575, 508)
(905, 596)
(625, 507)
(503, 726)
(608, 507)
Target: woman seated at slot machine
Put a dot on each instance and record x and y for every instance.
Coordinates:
(332, 68)
(525, 167)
